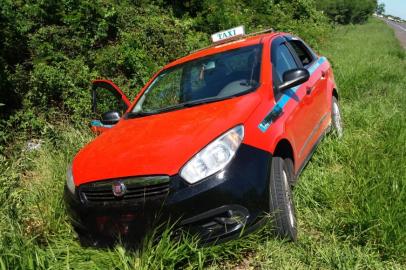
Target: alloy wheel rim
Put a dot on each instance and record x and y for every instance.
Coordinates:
(288, 196)
(337, 119)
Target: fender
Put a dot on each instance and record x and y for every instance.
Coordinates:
(331, 85)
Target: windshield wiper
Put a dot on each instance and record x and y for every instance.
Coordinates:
(174, 107)
(203, 101)
(179, 106)
(136, 114)
(147, 113)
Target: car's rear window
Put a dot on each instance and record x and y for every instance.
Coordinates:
(219, 76)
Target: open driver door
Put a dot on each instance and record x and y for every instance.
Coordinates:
(109, 103)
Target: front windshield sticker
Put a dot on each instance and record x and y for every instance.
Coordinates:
(277, 110)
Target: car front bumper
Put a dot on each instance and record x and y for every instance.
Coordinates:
(218, 207)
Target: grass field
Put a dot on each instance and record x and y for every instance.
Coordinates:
(351, 198)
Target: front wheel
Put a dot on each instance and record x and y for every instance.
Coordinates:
(281, 205)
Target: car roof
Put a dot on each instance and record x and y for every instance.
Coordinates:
(217, 48)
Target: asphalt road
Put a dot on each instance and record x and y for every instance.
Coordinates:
(400, 31)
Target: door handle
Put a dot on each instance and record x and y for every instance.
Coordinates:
(309, 90)
(323, 74)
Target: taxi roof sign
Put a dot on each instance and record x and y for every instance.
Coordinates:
(229, 34)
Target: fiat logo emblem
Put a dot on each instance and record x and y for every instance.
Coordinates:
(119, 189)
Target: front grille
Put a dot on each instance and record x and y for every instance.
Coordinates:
(137, 189)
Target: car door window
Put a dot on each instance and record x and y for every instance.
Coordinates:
(302, 52)
(282, 61)
(107, 101)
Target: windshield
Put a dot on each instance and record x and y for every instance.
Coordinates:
(206, 79)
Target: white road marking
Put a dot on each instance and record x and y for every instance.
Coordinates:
(398, 26)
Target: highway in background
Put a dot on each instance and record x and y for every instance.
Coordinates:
(400, 30)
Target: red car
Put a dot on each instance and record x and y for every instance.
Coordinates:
(214, 141)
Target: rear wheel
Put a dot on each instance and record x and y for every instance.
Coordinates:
(281, 204)
(337, 123)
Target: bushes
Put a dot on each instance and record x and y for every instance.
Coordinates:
(295, 16)
(79, 42)
(348, 11)
(50, 50)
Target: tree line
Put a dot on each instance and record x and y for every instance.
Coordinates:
(51, 50)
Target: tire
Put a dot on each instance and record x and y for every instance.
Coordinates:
(281, 205)
(336, 119)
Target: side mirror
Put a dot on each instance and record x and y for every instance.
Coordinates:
(110, 118)
(294, 77)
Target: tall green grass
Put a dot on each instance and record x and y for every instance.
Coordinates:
(351, 198)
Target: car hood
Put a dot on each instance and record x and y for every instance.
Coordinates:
(159, 144)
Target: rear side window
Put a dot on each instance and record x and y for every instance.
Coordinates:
(305, 57)
(282, 61)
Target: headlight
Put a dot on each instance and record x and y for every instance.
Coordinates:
(69, 180)
(214, 157)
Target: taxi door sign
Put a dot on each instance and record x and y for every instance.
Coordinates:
(225, 35)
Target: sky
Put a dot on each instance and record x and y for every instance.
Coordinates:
(395, 7)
